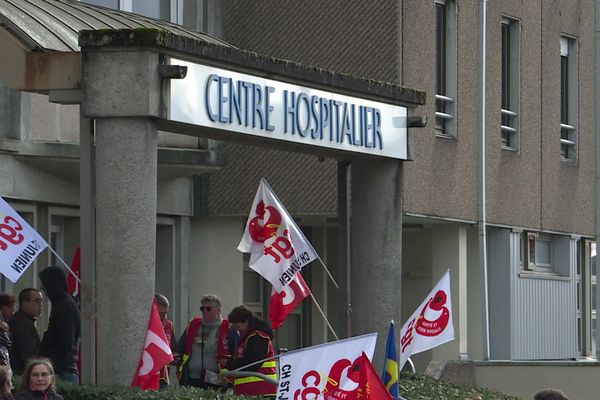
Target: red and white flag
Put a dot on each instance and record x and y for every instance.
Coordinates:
(431, 324)
(20, 244)
(278, 249)
(328, 371)
(284, 302)
(155, 356)
(370, 385)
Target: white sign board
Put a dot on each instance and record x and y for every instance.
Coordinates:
(266, 108)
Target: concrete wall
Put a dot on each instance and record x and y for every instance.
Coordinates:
(215, 263)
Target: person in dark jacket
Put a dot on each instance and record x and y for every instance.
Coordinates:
(7, 310)
(24, 335)
(38, 381)
(255, 345)
(60, 342)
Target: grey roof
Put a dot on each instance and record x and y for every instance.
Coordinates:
(43, 25)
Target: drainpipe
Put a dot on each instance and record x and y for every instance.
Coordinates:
(597, 109)
(482, 185)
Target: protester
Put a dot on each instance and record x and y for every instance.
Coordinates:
(61, 339)
(38, 381)
(550, 394)
(6, 383)
(163, 311)
(24, 335)
(255, 345)
(7, 310)
(205, 346)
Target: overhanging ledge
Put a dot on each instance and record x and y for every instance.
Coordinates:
(245, 61)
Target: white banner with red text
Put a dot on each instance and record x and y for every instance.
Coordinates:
(431, 324)
(278, 249)
(324, 372)
(20, 244)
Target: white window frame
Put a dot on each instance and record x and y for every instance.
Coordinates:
(569, 95)
(445, 82)
(529, 248)
(510, 84)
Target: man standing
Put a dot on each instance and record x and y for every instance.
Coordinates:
(61, 340)
(25, 338)
(163, 311)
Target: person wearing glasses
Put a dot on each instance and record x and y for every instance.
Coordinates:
(24, 336)
(205, 346)
(163, 311)
(38, 381)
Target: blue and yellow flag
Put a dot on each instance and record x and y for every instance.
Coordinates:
(389, 375)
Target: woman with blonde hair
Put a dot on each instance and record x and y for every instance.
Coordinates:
(38, 381)
(6, 383)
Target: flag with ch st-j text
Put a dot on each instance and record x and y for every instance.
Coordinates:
(431, 324)
(20, 244)
(278, 248)
(325, 371)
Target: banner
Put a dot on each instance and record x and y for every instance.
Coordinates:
(389, 376)
(277, 247)
(155, 356)
(284, 302)
(324, 372)
(20, 244)
(431, 324)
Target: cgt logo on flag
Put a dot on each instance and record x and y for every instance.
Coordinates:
(20, 244)
(278, 249)
(324, 372)
(284, 302)
(155, 356)
(431, 324)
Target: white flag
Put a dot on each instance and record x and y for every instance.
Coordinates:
(431, 324)
(277, 247)
(324, 371)
(20, 244)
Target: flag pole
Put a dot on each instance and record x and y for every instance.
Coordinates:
(323, 314)
(65, 264)
(318, 256)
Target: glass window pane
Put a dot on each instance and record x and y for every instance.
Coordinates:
(251, 287)
(542, 249)
(159, 9)
(104, 3)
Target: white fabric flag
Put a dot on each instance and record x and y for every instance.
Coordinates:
(277, 247)
(431, 324)
(324, 371)
(20, 244)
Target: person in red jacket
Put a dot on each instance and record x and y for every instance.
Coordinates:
(205, 345)
(163, 311)
(256, 344)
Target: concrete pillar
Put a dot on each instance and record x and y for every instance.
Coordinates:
(376, 242)
(121, 91)
(449, 252)
(126, 165)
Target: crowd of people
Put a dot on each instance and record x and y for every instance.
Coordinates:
(207, 354)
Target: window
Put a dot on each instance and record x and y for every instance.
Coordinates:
(537, 251)
(568, 98)
(586, 297)
(511, 83)
(445, 90)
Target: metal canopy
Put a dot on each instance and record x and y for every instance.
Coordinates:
(53, 25)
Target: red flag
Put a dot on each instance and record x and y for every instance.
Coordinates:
(370, 386)
(156, 354)
(284, 302)
(72, 284)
